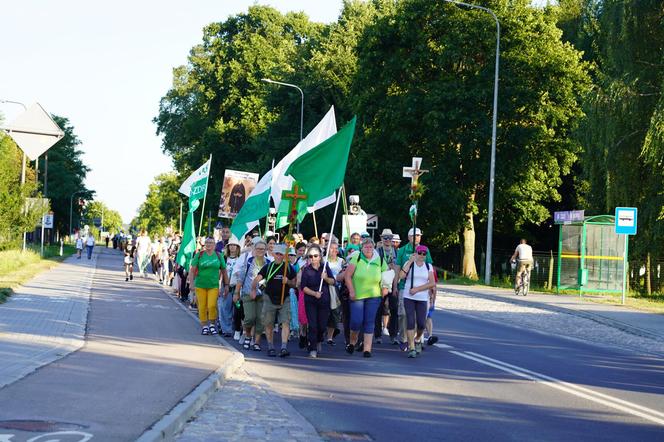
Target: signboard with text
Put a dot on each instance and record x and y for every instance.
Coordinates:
(568, 216)
(626, 220)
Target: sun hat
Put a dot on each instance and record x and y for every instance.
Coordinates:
(396, 237)
(386, 232)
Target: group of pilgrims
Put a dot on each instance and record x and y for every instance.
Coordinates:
(309, 292)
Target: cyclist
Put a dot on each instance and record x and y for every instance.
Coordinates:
(523, 255)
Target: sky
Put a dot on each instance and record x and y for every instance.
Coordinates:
(105, 66)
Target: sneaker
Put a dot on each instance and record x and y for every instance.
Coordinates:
(131, 277)
(367, 354)
(418, 347)
(284, 352)
(350, 348)
(432, 340)
(412, 354)
(331, 343)
(386, 332)
(126, 279)
(313, 354)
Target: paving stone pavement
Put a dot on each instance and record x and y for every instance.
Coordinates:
(46, 318)
(245, 409)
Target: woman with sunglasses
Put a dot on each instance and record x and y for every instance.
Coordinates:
(316, 298)
(419, 279)
(363, 280)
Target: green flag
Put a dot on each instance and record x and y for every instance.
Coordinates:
(196, 185)
(188, 245)
(321, 170)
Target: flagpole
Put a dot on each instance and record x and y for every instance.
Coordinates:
(267, 217)
(327, 251)
(343, 194)
(200, 226)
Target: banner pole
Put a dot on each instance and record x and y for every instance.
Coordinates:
(327, 251)
(207, 182)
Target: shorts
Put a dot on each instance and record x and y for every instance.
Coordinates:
(128, 260)
(269, 313)
(524, 264)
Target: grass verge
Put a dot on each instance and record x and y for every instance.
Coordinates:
(17, 267)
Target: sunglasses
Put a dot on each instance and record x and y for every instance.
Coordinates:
(259, 248)
(314, 256)
(422, 253)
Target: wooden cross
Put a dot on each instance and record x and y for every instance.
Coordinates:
(293, 196)
(414, 172)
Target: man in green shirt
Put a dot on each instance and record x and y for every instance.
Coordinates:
(403, 255)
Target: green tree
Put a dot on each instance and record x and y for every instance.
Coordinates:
(66, 175)
(13, 218)
(112, 220)
(424, 88)
(161, 208)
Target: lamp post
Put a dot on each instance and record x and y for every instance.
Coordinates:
(489, 233)
(71, 201)
(268, 80)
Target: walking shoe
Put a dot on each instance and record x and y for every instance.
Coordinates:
(241, 339)
(205, 331)
(126, 279)
(412, 353)
(418, 347)
(131, 277)
(403, 346)
(284, 352)
(313, 354)
(272, 353)
(367, 354)
(350, 348)
(432, 340)
(331, 343)
(386, 332)
(237, 335)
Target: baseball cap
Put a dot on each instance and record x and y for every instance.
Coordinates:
(417, 231)
(421, 248)
(291, 251)
(279, 248)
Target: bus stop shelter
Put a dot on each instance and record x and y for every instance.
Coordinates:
(591, 256)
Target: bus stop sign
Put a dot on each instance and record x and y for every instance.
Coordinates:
(626, 220)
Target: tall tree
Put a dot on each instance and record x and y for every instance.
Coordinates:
(112, 220)
(424, 88)
(161, 208)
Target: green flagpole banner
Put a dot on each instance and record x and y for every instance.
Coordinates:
(254, 208)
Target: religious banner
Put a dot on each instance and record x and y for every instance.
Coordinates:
(236, 188)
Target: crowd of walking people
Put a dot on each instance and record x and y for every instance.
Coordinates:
(309, 293)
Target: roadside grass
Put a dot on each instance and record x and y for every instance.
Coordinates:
(17, 267)
(635, 300)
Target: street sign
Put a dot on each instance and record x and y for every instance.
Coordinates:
(625, 220)
(372, 221)
(96, 222)
(568, 216)
(34, 131)
(47, 220)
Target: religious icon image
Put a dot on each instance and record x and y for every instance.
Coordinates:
(236, 187)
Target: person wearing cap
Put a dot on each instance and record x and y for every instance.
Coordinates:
(396, 241)
(386, 317)
(363, 280)
(279, 275)
(227, 306)
(419, 279)
(208, 274)
(252, 297)
(403, 255)
(315, 284)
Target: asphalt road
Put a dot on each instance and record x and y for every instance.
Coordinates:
(553, 389)
(143, 354)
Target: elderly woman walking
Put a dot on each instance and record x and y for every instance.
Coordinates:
(208, 272)
(363, 280)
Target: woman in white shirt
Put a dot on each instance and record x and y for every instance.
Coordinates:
(419, 279)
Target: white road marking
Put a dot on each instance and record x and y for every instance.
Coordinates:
(443, 346)
(600, 398)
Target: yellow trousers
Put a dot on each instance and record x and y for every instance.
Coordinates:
(207, 304)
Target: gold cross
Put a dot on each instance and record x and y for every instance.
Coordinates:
(293, 196)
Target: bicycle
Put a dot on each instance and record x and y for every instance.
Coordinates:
(524, 284)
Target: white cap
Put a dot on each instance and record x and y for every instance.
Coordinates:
(279, 248)
(417, 231)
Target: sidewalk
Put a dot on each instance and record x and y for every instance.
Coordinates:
(46, 318)
(635, 322)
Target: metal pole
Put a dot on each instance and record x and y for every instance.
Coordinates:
(624, 284)
(180, 227)
(489, 234)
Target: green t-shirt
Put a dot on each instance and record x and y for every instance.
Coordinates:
(403, 255)
(208, 269)
(366, 279)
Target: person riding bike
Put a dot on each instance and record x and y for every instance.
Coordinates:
(523, 255)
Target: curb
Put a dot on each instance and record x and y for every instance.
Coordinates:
(172, 422)
(627, 328)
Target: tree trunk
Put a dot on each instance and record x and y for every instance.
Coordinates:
(468, 268)
(648, 275)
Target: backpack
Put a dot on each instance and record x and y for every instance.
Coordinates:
(411, 267)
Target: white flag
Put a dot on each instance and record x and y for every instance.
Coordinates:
(199, 174)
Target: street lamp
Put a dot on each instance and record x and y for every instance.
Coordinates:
(268, 80)
(489, 233)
